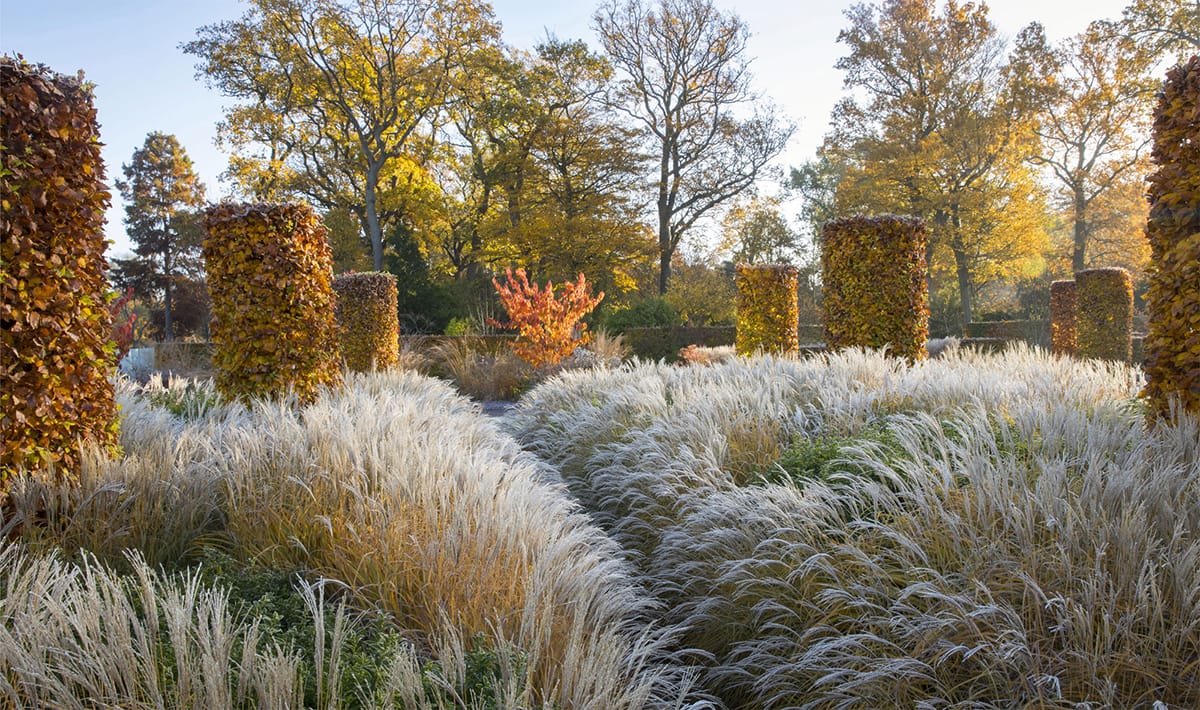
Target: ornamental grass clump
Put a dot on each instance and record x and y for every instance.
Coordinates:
(82, 635)
(397, 488)
(991, 530)
(56, 357)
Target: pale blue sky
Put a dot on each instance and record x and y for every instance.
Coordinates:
(130, 50)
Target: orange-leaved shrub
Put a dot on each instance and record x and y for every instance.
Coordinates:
(549, 327)
(1062, 317)
(768, 311)
(1173, 299)
(273, 327)
(55, 354)
(1104, 314)
(875, 293)
(368, 322)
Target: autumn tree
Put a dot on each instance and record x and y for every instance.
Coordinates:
(582, 213)
(542, 173)
(338, 95)
(162, 195)
(686, 83)
(816, 183)
(755, 231)
(1160, 27)
(1094, 136)
(938, 124)
(487, 136)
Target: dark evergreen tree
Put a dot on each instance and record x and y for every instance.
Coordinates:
(162, 195)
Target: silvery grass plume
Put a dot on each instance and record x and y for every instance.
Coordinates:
(1017, 538)
(83, 636)
(397, 487)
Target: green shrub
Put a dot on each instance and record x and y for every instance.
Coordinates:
(1173, 300)
(811, 334)
(269, 270)
(768, 312)
(1104, 314)
(1034, 332)
(665, 343)
(874, 280)
(458, 327)
(646, 313)
(1062, 317)
(55, 330)
(369, 328)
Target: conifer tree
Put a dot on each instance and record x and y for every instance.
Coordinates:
(162, 195)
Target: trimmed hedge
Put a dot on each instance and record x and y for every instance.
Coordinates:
(875, 293)
(368, 320)
(1034, 332)
(665, 343)
(55, 330)
(1104, 314)
(768, 309)
(1062, 317)
(273, 328)
(811, 334)
(1173, 299)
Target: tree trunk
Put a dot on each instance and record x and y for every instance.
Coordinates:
(965, 289)
(374, 230)
(664, 221)
(664, 270)
(940, 220)
(168, 321)
(1081, 233)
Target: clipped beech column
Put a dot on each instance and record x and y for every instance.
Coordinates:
(1104, 314)
(55, 344)
(875, 293)
(269, 274)
(1173, 299)
(368, 323)
(1062, 317)
(768, 309)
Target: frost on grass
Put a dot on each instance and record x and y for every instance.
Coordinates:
(989, 530)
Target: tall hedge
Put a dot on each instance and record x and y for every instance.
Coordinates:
(269, 274)
(1062, 317)
(1173, 299)
(875, 293)
(1104, 314)
(368, 324)
(55, 353)
(768, 309)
